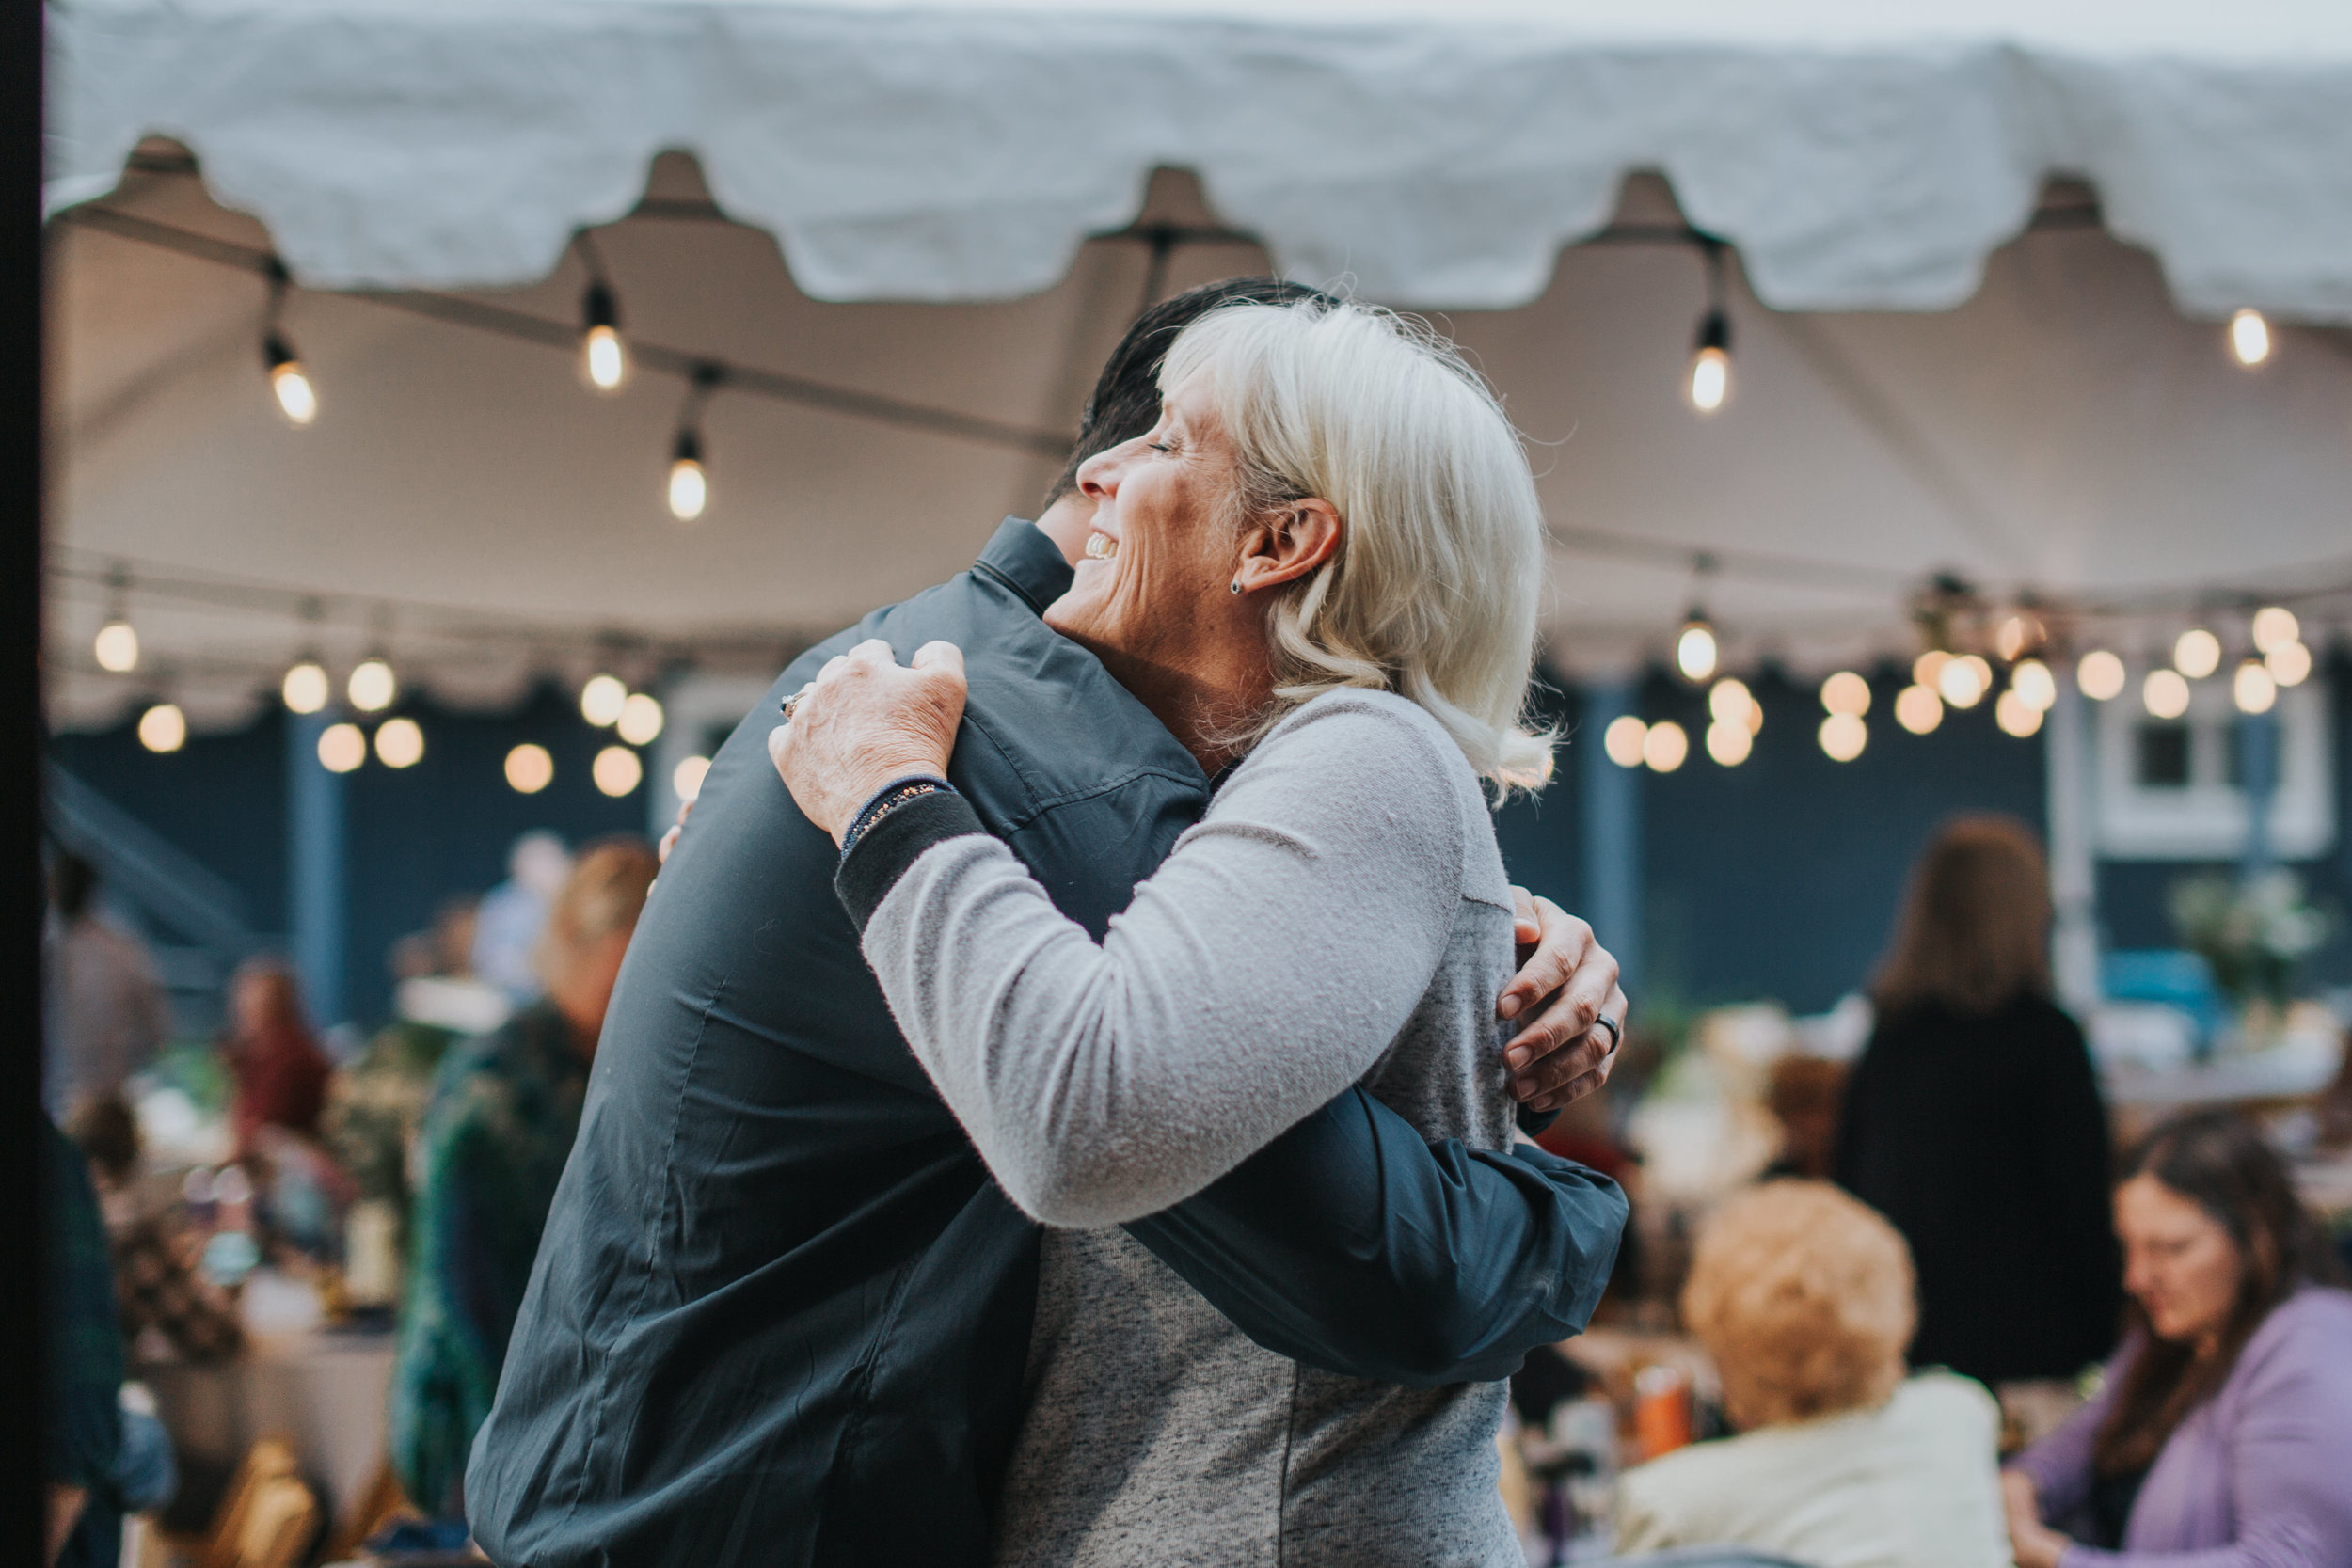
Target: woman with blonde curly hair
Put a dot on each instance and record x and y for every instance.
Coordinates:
(1803, 1298)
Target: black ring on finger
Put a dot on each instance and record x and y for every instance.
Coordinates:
(1616, 1034)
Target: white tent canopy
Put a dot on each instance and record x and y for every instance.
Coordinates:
(1923, 381)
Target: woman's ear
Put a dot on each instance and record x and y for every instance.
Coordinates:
(1288, 543)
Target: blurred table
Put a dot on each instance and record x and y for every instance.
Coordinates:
(322, 1388)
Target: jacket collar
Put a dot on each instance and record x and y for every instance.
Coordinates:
(1024, 561)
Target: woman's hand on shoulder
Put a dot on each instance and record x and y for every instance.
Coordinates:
(1568, 984)
(864, 722)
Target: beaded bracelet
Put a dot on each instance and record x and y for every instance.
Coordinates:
(886, 800)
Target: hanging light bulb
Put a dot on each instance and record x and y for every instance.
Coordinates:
(1918, 709)
(117, 647)
(2197, 653)
(1729, 742)
(2015, 715)
(602, 698)
(1843, 735)
(1622, 740)
(686, 779)
(164, 728)
(2033, 684)
(640, 721)
(2253, 688)
(372, 687)
(617, 771)
(2275, 628)
(297, 398)
(1710, 385)
(2290, 663)
(399, 743)
(1848, 693)
(2164, 694)
(1928, 669)
(603, 357)
(689, 491)
(306, 688)
(1962, 681)
(529, 769)
(1694, 647)
(1665, 746)
(2017, 635)
(342, 748)
(2249, 338)
(2100, 675)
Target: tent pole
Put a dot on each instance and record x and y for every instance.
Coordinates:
(314, 868)
(2068, 776)
(1612, 830)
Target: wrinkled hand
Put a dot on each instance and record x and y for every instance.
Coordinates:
(864, 722)
(668, 840)
(2033, 1544)
(1561, 1054)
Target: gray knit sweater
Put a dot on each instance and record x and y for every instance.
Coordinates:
(1339, 915)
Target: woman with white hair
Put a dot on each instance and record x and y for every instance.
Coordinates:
(1320, 571)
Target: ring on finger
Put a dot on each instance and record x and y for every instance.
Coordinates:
(793, 704)
(1616, 1034)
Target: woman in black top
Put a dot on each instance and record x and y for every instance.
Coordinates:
(1973, 1122)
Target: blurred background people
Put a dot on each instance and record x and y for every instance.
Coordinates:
(1803, 1298)
(508, 921)
(106, 1012)
(1804, 1095)
(2223, 1433)
(277, 1073)
(1973, 1121)
(503, 1112)
(165, 1304)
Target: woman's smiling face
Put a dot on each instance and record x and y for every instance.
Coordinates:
(1164, 545)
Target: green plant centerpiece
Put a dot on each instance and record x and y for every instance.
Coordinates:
(2254, 932)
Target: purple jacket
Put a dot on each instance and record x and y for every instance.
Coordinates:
(2260, 1476)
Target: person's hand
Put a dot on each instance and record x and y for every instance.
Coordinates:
(1569, 982)
(2033, 1544)
(668, 840)
(864, 722)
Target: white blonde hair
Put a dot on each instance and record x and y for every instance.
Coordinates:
(1433, 590)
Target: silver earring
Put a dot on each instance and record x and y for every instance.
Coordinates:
(1234, 585)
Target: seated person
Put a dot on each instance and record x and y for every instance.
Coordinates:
(165, 1305)
(2222, 1436)
(1803, 1298)
(504, 1111)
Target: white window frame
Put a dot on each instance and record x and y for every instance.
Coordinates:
(2207, 819)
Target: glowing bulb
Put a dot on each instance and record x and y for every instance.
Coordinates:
(686, 779)
(1918, 709)
(1665, 746)
(1711, 379)
(1843, 735)
(1847, 694)
(2253, 688)
(372, 687)
(529, 769)
(602, 698)
(640, 721)
(2033, 684)
(1728, 702)
(1958, 682)
(1928, 669)
(306, 688)
(296, 398)
(164, 728)
(117, 647)
(617, 771)
(2275, 628)
(2164, 693)
(2100, 675)
(2016, 716)
(399, 743)
(603, 357)
(1729, 742)
(1622, 740)
(2198, 653)
(2017, 634)
(1695, 650)
(342, 748)
(2249, 338)
(689, 492)
(2290, 664)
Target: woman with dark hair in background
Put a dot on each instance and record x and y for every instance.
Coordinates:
(1973, 1121)
(2223, 1435)
(279, 1072)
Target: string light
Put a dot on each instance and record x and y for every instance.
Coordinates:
(164, 728)
(2275, 628)
(399, 743)
(1709, 385)
(602, 698)
(1843, 735)
(603, 357)
(297, 398)
(617, 771)
(1665, 746)
(529, 769)
(117, 647)
(640, 721)
(1622, 740)
(2033, 684)
(2249, 338)
(1730, 702)
(689, 488)
(2100, 675)
(2196, 653)
(1848, 694)
(372, 687)
(1918, 709)
(2253, 688)
(1695, 648)
(1928, 669)
(686, 779)
(1729, 742)
(306, 688)
(342, 748)
(2164, 693)
(2016, 716)
(2290, 663)
(1964, 681)
(2016, 635)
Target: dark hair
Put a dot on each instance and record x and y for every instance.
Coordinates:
(108, 1134)
(1126, 399)
(71, 882)
(1976, 924)
(2221, 1162)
